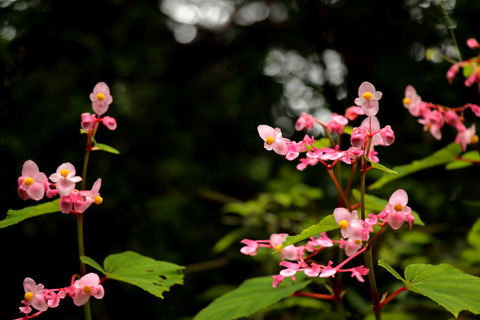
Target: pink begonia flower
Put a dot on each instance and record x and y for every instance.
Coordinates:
(348, 222)
(322, 241)
(337, 123)
(101, 98)
(277, 279)
(396, 212)
(88, 121)
(26, 308)
(295, 148)
(34, 294)
(452, 72)
(109, 122)
(475, 108)
(87, 286)
(328, 271)
(466, 137)
(359, 272)
(351, 246)
(65, 178)
(53, 298)
(32, 183)
(368, 98)
(358, 137)
(289, 252)
(305, 121)
(413, 102)
(453, 119)
(313, 271)
(432, 121)
(387, 135)
(250, 248)
(273, 139)
(353, 112)
(291, 269)
(86, 198)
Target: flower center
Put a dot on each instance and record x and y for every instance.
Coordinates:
(343, 224)
(87, 289)
(367, 95)
(28, 181)
(406, 101)
(101, 96)
(398, 207)
(270, 140)
(278, 247)
(358, 241)
(28, 296)
(64, 172)
(475, 139)
(98, 200)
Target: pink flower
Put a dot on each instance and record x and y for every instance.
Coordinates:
(277, 279)
(351, 246)
(466, 136)
(65, 178)
(433, 121)
(101, 98)
(368, 98)
(349, 223)
(396, 212)
(328, 271)
(250, 248)
(475, 108)
(313, 271)
(387, 135)
(359, 136)
(86, 198)
(87, 286)
(305, 121)
(353, 112)
(88, 121)
(34, 294)
(32, 183)
(337, 123)
(413, 102)
(359, 272)
(472, 43)
(109, 122)
(273, 139)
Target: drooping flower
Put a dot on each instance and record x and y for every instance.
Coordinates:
(273, 139)
(34, 294)
(109, 122)
(65, 178)
(88, 121)
(101, 98)
(466, 137)
(86, 287)
(368, 98)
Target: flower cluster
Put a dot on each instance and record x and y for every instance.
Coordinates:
(101, 100)
(470, 67)
(40, 298)
(363, 139)
(434, 117)
(355, 232)
(33, 184)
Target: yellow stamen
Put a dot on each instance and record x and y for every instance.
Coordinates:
(87, 289)
(101, 96)
(367, 95)
(278, 247)
(28, 296)
(475, 139)
(358, 241)
(64, 172)
(406, 101)
(28, 181)
(343, 224)
(270, 140)
(98, 200)
(398, 207)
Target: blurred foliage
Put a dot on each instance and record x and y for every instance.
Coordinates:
(187, 111)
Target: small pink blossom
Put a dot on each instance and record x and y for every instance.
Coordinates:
(109, 122)
(353, 112)
(87, 121)
(273, 139)
(368, 98)
(348, 222)
(337, 124)
(32, 183)
(433, 121)
(87, 197)
(328, 271)
(475, 108)
(359, 272)
(65, 179)
(34, 294)
(413, 102)
(466, 137)
(359, 136)
(87, 286)
(250, 248)
(351, 246)
(305, 121)
(101, 98)
(396, 212)
(472, 43)
(387, 135)
(277, 279)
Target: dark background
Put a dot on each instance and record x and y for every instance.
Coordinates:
(187, 115)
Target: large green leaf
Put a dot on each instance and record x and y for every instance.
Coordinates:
(374, 203)
(328, 223)
(439, 157)
(16, 216)
(151, 275)
(251, 296)
(467, 159)
(449, 287)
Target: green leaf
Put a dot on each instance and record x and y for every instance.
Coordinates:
(104, 147)
(16, 216)
(373, 203)
(151, 275)
(467, 70)
(328, 223)
(381, 167)
(449, 287)
(463, 161)
(439, 157)
(251, 296)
